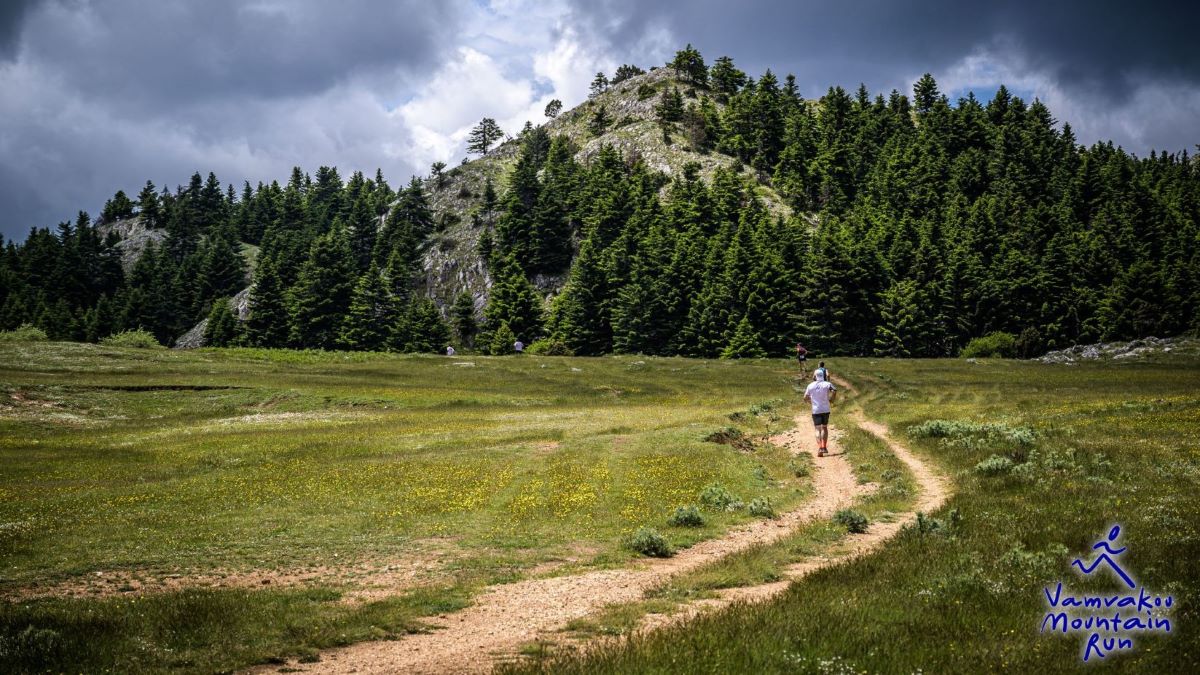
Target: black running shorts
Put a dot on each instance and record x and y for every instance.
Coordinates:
(820, 419)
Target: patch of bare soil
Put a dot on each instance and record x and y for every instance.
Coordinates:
(366, 580)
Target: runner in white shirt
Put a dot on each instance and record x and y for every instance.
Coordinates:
(820, 394)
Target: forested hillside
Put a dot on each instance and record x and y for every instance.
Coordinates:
(690, 210)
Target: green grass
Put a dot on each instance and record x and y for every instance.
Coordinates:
(872, 462)
(216, 462)
(203, 631)
(1106, 442)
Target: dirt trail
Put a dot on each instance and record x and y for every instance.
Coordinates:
(504, 617)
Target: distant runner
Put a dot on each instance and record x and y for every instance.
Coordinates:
(820, 394)
(824, 372)
(802, 357)
(519, 346)
(449, 350)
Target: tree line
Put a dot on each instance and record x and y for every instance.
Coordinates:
(916, 225)
(337, 267)
(919, 225)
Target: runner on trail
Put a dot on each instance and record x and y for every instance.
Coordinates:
(519, 347)
(820, 394)
(449, 350)
(802, 357)
(824, 371)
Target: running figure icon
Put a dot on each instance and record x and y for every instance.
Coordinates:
(1107, 557)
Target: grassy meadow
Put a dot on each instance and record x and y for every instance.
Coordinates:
(126, 473)
(1081, 447)
(334, 469)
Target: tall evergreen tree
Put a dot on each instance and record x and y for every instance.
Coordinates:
(483, 135)
(222, 328)
(513, 300)
(320, 299)
(462, 315)
(371, 316)
(148, 206)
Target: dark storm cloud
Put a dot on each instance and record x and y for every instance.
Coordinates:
(101, 95)
(169, 53)
(1105, 48)
(12, 13)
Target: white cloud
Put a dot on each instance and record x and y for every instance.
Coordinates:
(521, 55)
(463, 91)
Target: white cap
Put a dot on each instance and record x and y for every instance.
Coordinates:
(818, 375)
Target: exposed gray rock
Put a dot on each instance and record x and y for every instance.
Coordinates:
(1111, 350)
(135, 237)
(194, 338)
(451, 261)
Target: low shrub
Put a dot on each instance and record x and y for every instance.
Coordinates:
(715, 496)
(686, 516)
(993, 345)
(140, 339)
(853, 521)
(798, 469)
(761, 508)
(930, 525)
(1033, 567)
(549, 348)
(649, 542)
(996, 465)
(24, 333)
(972, 435)
(32, 649)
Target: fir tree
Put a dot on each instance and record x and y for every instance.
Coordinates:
(502, 340)
(513, 300)
(372, 313)
(670, 107)
(148, 206)
(746, 343)
(483, 135)
(223, 271)
(222, 328)
(319, 301)
(599, 121)
(689, 66)
(118, 208)
(428, 332)
(925, 93)
(462, 315)
(626, 71)
(726, 78)
(437, 172)
(599, 85)
(364, 228)
(580, 317)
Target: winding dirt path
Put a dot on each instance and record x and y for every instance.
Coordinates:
(506, 616)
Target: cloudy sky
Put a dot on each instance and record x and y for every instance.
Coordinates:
(103, 95)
